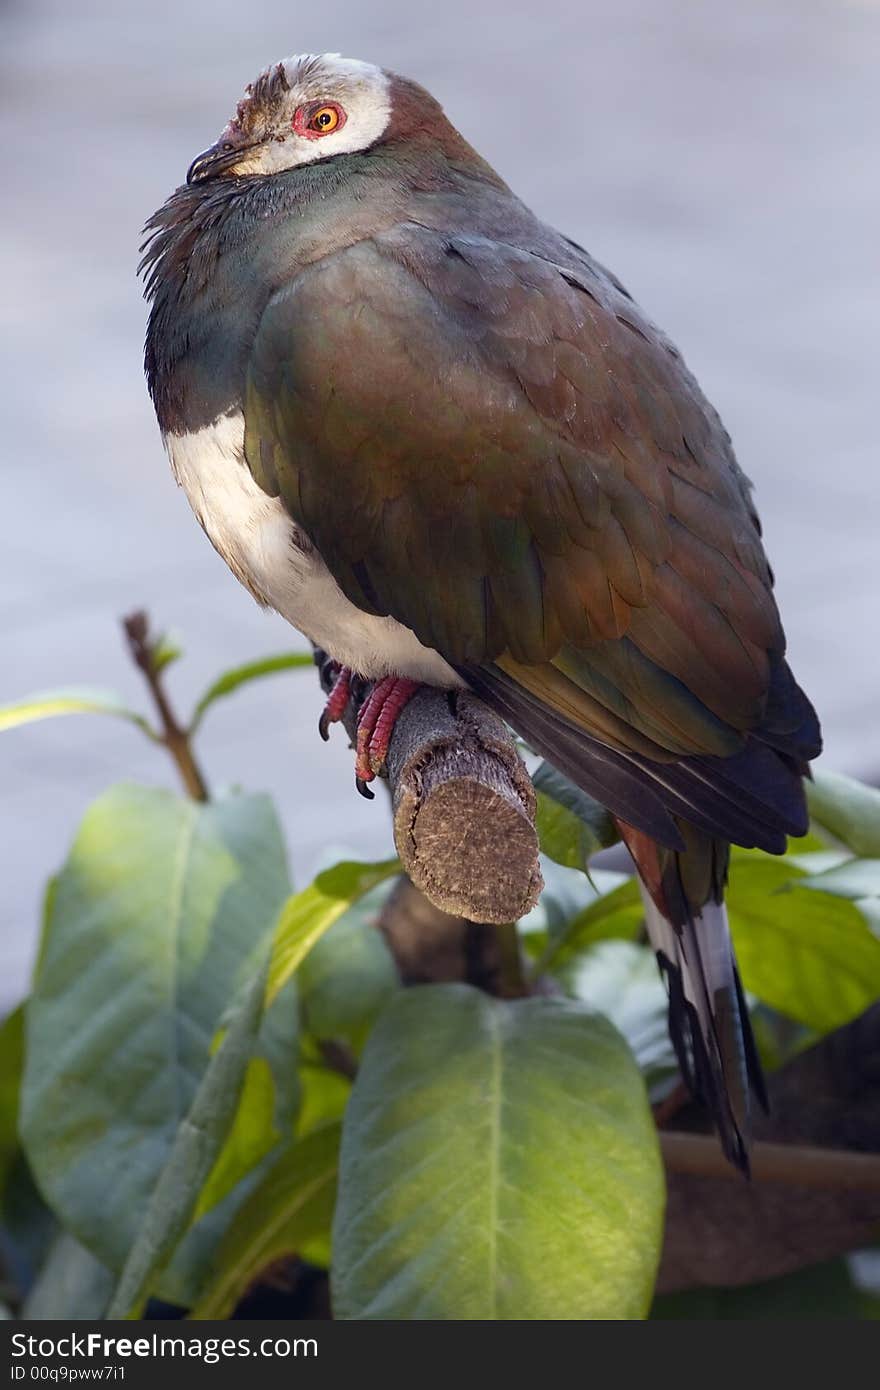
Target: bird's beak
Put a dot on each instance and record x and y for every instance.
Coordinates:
(216, 160)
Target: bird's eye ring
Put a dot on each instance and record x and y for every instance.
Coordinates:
(319, 118)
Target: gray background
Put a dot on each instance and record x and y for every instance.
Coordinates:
(722, 159)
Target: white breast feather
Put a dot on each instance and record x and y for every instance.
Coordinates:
(263, 548)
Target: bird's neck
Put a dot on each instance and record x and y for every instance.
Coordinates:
(218, 251)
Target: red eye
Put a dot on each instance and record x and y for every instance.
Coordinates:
(317, 119)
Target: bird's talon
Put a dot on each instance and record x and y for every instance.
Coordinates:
(364, 789)
(337, 700)
(376, 724)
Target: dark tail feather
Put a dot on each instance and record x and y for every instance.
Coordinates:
(708, 1020)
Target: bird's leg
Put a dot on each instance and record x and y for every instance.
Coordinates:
(376, 724)
(337, 700)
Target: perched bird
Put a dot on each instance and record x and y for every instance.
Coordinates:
(445, 444)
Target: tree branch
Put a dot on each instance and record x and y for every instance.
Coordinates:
(815, 1192)
(795, 1165)
(463, 805)
(174, 737)
(431, 946)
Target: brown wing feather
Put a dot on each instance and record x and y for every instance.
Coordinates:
(501, 453)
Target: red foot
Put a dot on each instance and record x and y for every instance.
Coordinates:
(337, 701)
(376, 723)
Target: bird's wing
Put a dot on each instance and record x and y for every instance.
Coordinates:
(504, 455)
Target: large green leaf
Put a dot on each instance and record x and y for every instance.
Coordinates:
(252, 1135)
(252, 1140)
(309, 914)
(72, 1285)
(232, 680)
(810, 955)
(267, 1108)
(291, 1207)
(571, 825)
(620, 979)
(848, 809)
(349, 975)
(499, 1160)
(615, 913)
(157, 921)
(71, 700)
(855, 879)
(192, 1155)
(349, 999)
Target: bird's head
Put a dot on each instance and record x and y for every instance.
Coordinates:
(310, 108)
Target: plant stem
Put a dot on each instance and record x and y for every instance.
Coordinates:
(512, 982)
(793, 1164)
(174, 736)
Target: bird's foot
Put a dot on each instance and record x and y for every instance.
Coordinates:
(376, 724)
(337, 700)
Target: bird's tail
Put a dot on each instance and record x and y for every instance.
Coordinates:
(687, 925)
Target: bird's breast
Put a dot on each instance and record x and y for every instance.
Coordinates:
(280, 566)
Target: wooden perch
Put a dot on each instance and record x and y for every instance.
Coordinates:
(463, 805)
(820, 1199)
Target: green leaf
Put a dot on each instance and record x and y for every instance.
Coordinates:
(165, 650)
(565, 893)
(252, 1142)
(848, 809)
(856, 879)
(349, 975)
(192, 1155)
(157, 921)
(252, 1136)
(615, 915)
(73, 700)
(340, 996)
(499, 1161)
(72, 1286)
(571, 826)
(241, 675)
(308, 915)
(11, 1061)
(325, 1094)
(291, 1207)
(267, 1109)
(809, 955)
(621, 980)
(325, 1091)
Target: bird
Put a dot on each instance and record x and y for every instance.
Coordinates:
(446, 445)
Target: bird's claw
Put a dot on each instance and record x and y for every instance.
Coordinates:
(376, 724)
(375, 721)
(337, 700)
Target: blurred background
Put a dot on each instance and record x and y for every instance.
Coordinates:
(721, 159)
